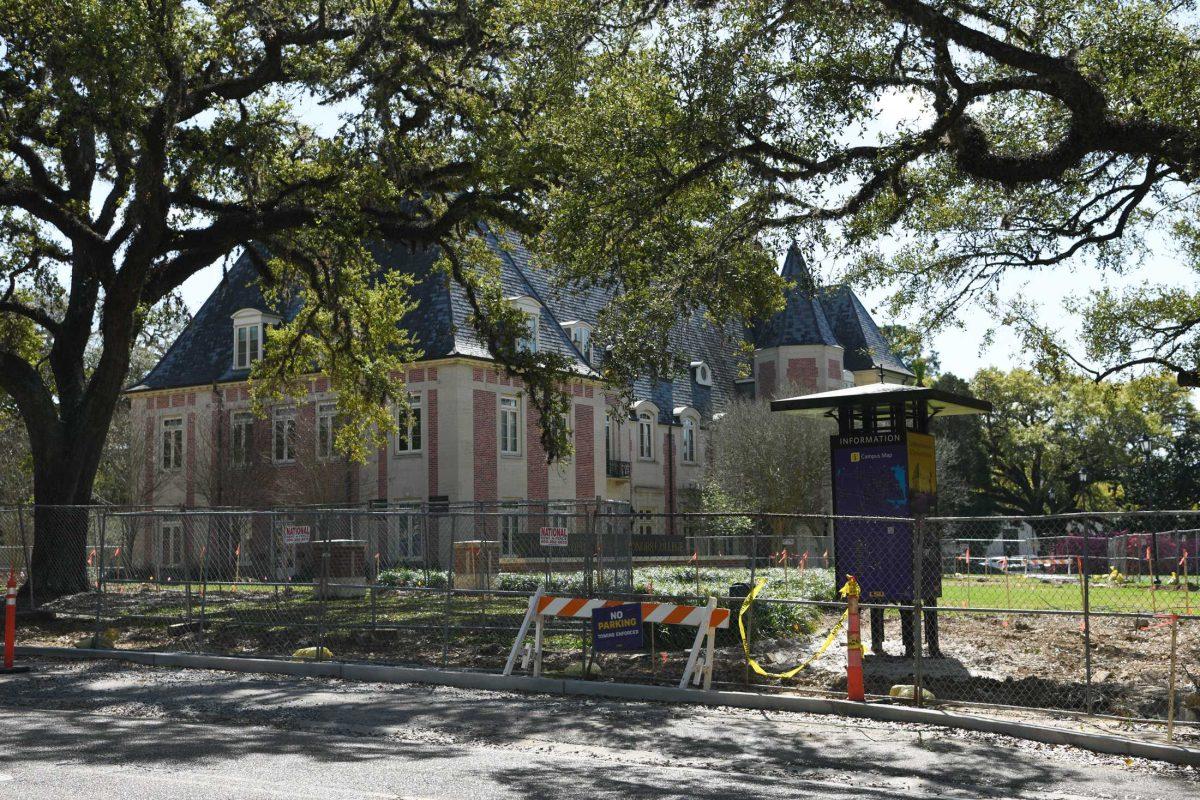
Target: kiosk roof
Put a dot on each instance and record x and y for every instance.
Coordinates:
(941, 403)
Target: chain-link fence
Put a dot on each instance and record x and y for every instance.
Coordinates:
(1079, 614)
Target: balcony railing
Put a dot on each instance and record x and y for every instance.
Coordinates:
(618, 469)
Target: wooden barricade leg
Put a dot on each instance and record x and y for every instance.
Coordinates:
(701, 632)
(530, 613)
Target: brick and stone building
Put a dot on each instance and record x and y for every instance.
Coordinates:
(475, 437)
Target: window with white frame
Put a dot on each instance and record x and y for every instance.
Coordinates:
(172, 443)
(171, 544)
(510, 529)
(405, 541)
(326, 416)
(688, 440)
(510, 426)
(241, 438)
(645, 436)
(244, 532)
(283, 436)
(581, 337)
(249, 336)
(527, 340)
(408, 434)
(701, 373)
(247, 344)
(610, 452)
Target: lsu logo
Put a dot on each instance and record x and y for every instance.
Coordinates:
(854, 457)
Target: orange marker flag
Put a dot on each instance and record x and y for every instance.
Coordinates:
(695, 556)
(91, 556)
(1183, 558)
(116, 552)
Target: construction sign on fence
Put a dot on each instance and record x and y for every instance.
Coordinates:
(617, 627)
(296, 534)
(553, 537)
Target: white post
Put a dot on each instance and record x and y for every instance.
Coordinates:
(530, 613)
(540, 623)
(708, 656)
(701, 632)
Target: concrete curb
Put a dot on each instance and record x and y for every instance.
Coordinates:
(1096, 742)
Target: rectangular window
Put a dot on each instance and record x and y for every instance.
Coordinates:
(241, 438)
(171, 552)
(689, 441)
(326, 414)
(244, 532)
(645, 437)
(645, 523)
(172, 443)
(248, 345)
(583, 341)
(529, 342)
(510, 527)
(408, 437)
(284, 437)
(510, 426)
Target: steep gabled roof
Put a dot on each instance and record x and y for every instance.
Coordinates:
(802, 321)
(203, 353)
(865, 346)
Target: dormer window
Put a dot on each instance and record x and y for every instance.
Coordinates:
(581, 337)
(247, 345)
(528, 341)
(701, 373)
(249, 326)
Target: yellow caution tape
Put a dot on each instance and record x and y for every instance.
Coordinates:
(754, 665)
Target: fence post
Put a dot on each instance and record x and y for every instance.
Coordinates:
(100, 577)
(323, 600)
(28, 556)
(449, 592)
(1087, 622)
(189, 543)
(589, 554)
(918, 611)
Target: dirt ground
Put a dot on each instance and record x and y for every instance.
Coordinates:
(1023, 660)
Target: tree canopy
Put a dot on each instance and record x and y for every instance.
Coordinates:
(979, 139)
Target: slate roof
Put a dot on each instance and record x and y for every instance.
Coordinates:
(865, 346)
(826, 315)
(802, 320)
(203, 353)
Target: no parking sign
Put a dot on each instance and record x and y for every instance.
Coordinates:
(617, 627)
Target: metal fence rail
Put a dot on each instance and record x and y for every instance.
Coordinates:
(1071, 613)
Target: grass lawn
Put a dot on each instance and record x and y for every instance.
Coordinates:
(1020, 592)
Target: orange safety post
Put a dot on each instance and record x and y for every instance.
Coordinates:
(10, 624)
(854, 648)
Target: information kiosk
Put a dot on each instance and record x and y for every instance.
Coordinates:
(882, 462)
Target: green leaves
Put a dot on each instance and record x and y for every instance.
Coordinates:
(1046, 434)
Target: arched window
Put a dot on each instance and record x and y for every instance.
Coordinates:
(645, 436)
(689, 440)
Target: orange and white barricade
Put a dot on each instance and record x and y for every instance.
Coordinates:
(706, 619)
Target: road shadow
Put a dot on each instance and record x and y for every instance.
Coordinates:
(275, 714)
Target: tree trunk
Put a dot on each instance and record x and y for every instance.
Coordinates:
(65, 468)
(60, 553)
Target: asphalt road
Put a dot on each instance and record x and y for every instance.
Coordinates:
(95, 730)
